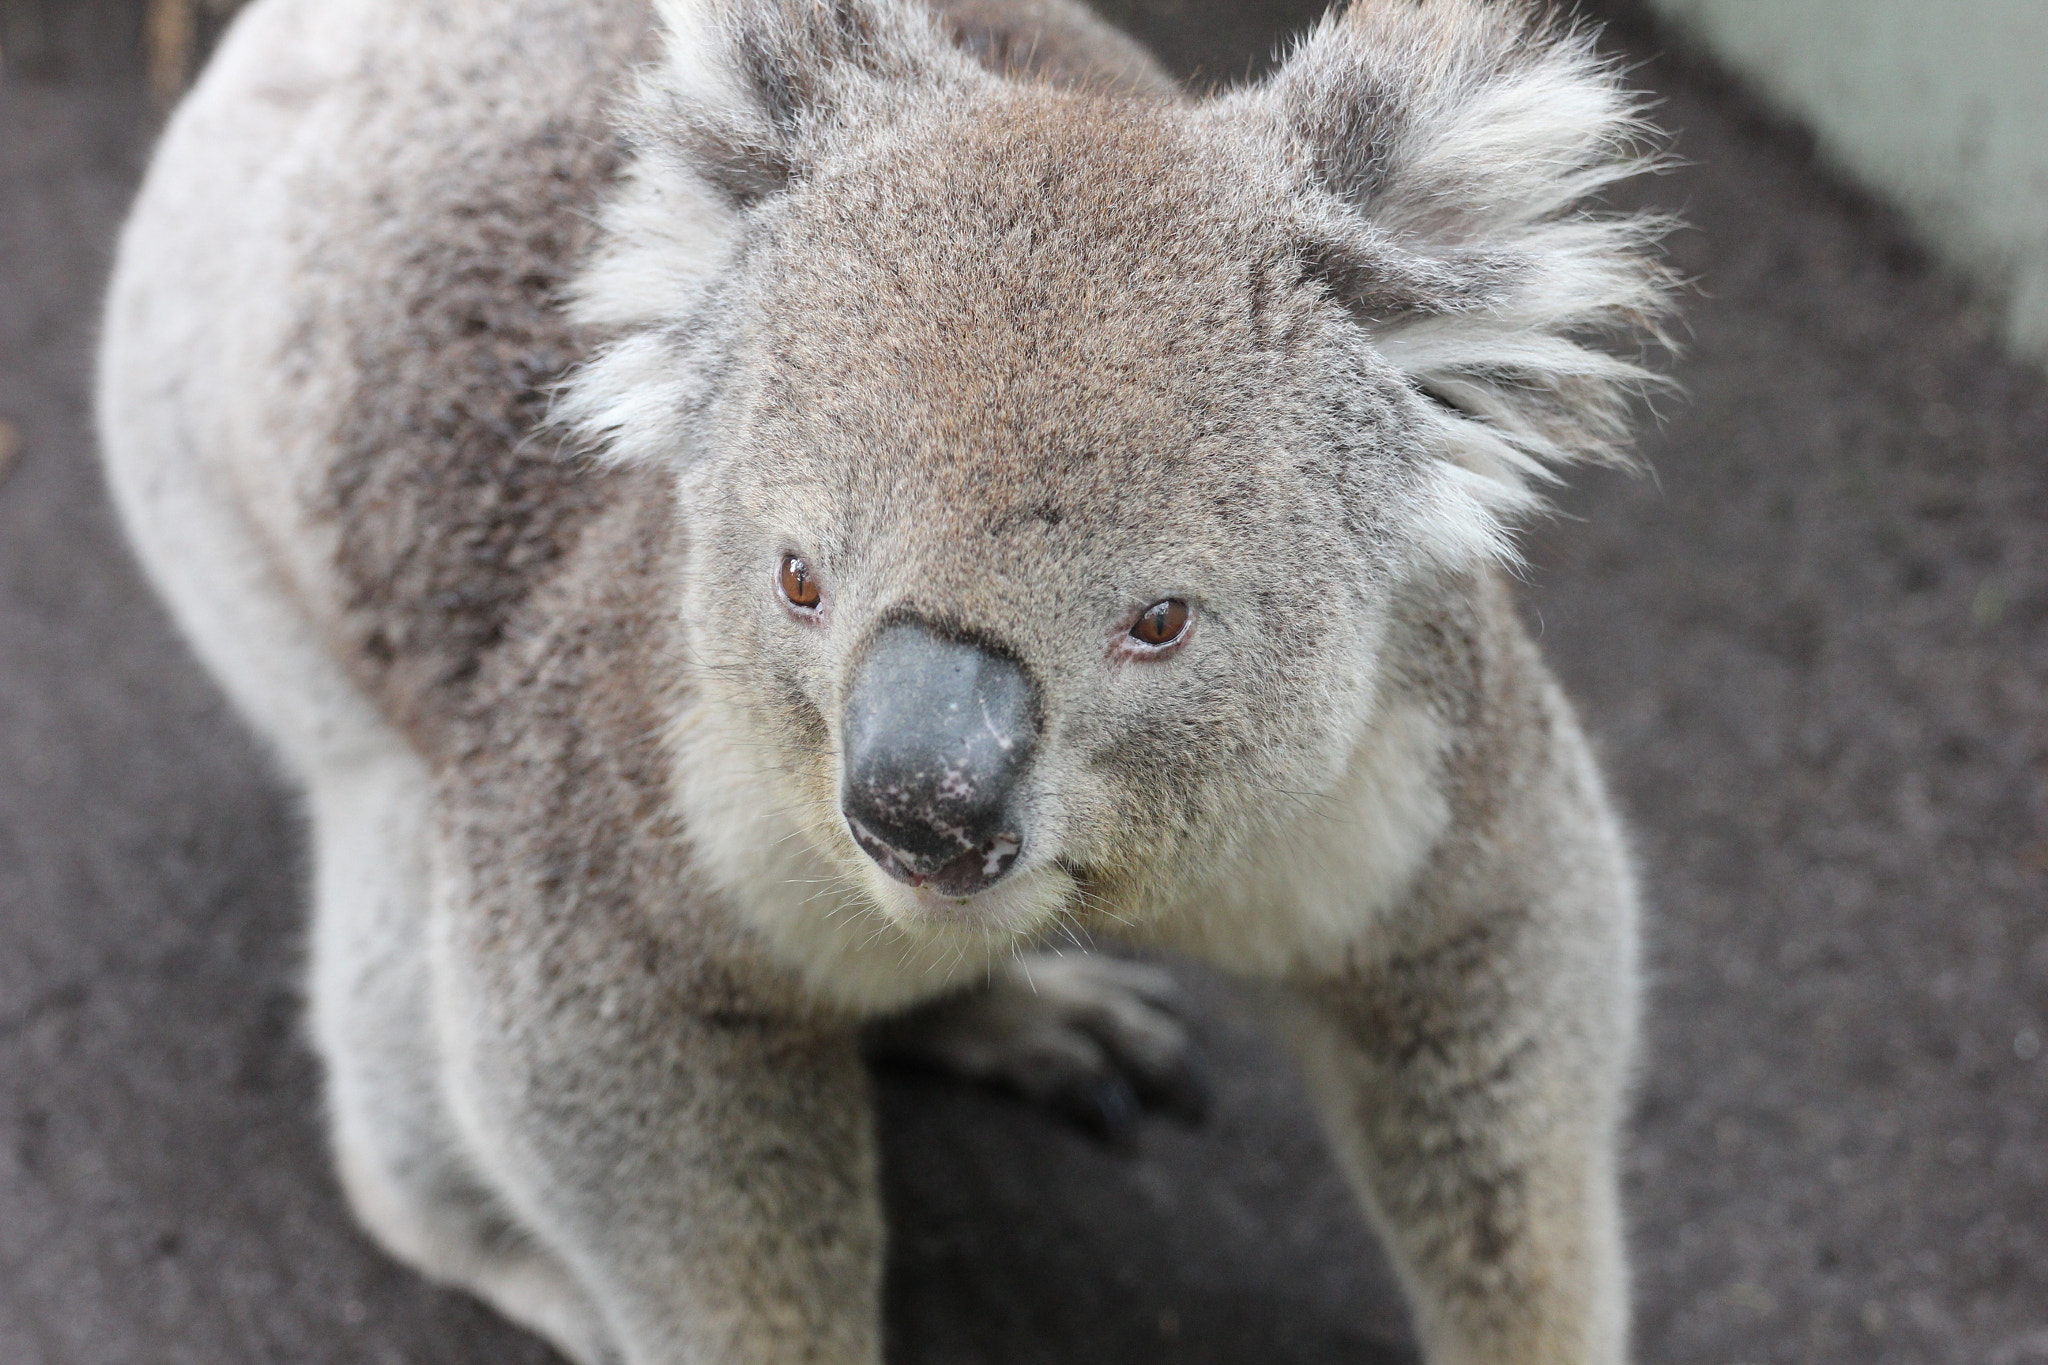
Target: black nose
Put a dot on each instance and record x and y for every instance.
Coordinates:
(938, 734)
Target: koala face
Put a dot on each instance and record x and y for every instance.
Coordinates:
(1052, 511)
(1048, 460)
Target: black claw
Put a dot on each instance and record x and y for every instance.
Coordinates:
(1105, 1106)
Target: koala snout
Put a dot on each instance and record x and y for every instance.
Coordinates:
(938, 735)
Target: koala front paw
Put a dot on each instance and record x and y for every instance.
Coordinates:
(1096, 1039)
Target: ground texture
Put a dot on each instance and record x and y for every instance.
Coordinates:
(1813, 646)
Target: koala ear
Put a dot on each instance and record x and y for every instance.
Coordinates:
(748, 91)
(1445, 153)
(745, 98)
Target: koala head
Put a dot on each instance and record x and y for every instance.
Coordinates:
(1049, 459)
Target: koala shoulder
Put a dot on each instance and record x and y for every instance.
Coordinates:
(1058, 40)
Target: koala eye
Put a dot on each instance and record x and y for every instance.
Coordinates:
(798, 584)
(1161, 626)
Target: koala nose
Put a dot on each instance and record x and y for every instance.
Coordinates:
(937, 734)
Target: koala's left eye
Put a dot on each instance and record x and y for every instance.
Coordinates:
(798, 583)
(1161, 626)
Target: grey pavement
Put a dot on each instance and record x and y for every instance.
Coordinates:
(1812, 645)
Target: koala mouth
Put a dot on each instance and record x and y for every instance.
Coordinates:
(974, 869)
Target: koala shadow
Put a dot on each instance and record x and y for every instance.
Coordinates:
(1018, 1238)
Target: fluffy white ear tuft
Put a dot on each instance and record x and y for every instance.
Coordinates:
(1447, 152)
(744, 100)
(749, 92)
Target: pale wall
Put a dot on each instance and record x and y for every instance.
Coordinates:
(1942, 105)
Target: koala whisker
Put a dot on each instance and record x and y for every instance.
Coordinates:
(959, 956)
(841, 901)
(1094, 904)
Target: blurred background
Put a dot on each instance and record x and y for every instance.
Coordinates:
(1812, 645)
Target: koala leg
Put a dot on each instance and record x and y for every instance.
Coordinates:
(688, 1136)
(396, 1146)
(1095, 1038)
(1472, 1088)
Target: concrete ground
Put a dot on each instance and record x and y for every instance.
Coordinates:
(1813, 646)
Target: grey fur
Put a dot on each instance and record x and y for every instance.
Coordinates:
(1012, 347)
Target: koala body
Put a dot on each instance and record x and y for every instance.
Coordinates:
(748, 522)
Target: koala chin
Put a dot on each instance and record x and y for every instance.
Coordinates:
(752, 522)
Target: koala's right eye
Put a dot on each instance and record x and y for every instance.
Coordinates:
(1161, 627)
(798, 585)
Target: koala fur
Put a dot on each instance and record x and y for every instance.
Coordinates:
(469, 370)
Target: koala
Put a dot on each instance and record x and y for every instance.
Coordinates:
(752, 523)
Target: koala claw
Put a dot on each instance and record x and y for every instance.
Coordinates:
(1095, 1039)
